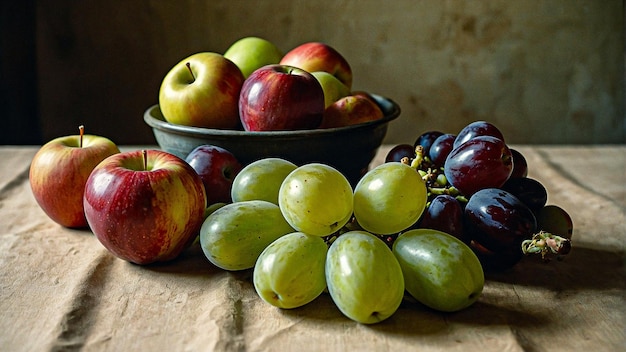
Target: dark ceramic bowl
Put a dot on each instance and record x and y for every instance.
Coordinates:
(348, 149)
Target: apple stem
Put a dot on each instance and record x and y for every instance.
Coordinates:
(191, 72)
(81, 131)
(144, 153)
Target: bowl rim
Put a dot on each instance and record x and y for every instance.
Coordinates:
(390, 108)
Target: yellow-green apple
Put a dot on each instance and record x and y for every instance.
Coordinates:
(316, 56)
(251, 53)
(351, 110)
(217, 167)
(59, 171)
(280, 98)
(202, 91)
(333, 88)
(144, 206)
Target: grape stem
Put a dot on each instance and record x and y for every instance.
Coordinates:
(419, 157)
(445, 190)
(546, 243)
(435, 179)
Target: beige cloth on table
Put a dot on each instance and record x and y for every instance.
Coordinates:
(60, 289)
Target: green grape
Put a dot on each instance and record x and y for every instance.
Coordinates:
(212, 208)
(316, 199)
(439, 270)
(233, 236)
(364, 278)
(289, 273)
(389, 198)
(261, 180)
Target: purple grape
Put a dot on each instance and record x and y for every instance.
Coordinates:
(530, 191)
(400, 151)
(496, 261)
(498, 220)
(426, 139)
(475, 129)
(444, 214)
(554, 219)
(441, 147)
(482, 162)
(520, 166)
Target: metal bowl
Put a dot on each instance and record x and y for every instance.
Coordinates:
(348, 149)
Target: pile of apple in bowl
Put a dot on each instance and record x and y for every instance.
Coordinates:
(256, 102)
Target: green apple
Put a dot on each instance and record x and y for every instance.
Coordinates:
(439, 270)
(251, 53)
(333, 88)
(202, 91)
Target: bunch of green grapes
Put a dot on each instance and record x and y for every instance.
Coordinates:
(304, 230)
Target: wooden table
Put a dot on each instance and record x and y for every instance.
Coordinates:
(60, 289)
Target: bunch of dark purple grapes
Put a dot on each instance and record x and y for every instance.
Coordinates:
(480, 192)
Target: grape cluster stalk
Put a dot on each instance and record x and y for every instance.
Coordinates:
(479, 191)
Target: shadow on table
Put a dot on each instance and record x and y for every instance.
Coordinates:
(414, 319)
(191, 262)
(583, 269)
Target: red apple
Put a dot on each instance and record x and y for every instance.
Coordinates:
(202, 91)
(144, 206)
(316, 56)
(281, 98)
(59, 171)
(351, 110)
(217, 168)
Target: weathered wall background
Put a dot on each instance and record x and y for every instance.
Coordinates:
(543, 71)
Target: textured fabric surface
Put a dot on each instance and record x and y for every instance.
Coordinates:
(61, 290)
